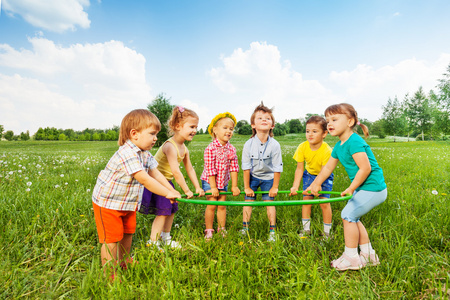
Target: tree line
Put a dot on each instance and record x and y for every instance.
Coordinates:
(421, 115)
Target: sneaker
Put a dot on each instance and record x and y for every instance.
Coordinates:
(171, 243)
(369, 260)
(209, 234)
(155, 244)
(243, 232)
(304, 234)
(347, 263)
(128, 262)
(222, 231)
(272, 237)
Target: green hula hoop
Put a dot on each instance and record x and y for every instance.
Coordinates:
(265, 203)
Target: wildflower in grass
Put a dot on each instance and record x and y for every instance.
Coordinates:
(177, 226)
(56, 186)
(11, 172)
(20, 171)
(27, 190)
(434, 192)
(29, 183)
(88, 190)
(444, 194)
(62, 175)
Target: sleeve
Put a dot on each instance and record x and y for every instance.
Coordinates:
(357, 145)
(246, 161)
(152, 163)
(210, 162)
(277, 159)
(234, 163)
(334, 152)
(298, 155)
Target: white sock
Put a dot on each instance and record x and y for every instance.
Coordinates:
(367, 248)
(351, 252)
(165, 235)
(306, 224)
(327, 228)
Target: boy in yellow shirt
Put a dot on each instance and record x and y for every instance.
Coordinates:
(312, 155)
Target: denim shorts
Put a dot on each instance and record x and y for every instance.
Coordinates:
(361, 203)
(264, 185)
(207, 187)
(327, 185)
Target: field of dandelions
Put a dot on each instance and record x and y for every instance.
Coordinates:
(50, 249)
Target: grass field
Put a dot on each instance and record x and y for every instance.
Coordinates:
(50, 249)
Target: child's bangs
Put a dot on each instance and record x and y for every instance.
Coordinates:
(335, 109)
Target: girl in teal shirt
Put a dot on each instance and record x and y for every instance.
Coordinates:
(367, 185)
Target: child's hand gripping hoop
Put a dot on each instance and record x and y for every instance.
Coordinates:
(266, 203)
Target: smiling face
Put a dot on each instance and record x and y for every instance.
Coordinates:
(262, 122)
(223, 130)
(339, 125)
(188, 130)
(144, 139)
(315, 134)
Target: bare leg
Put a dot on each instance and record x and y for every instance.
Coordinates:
(168, 223)
(351, 234)
(209, 213)
(157, 227)
(247, 212)
(271, 214)
(125, 246)
(363, 235)
(326, 212)
(221, 213)
(306, 209)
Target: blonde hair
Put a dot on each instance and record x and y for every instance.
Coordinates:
(179, 117)
(263, 109)
(350, 112)
(216, 120)
(138, 119)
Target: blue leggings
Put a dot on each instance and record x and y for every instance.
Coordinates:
(361, 203)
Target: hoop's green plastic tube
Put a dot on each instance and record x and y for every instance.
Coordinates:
(265, 203)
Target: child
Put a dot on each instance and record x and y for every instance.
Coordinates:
(367, 185)
(182, 125)
(262, 165)
(221, 164)
(315, 153)
(119, 186)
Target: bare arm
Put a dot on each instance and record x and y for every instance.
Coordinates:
(155, 186)
(248, 191)
(172, 157)
(297, 178)
(276, 181)
(326, 171)
(362, 161)
(234, 180)
(191, 174)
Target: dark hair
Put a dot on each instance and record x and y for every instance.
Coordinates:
(319, 121)
(350, 112)
(264, 109)
(138, 119)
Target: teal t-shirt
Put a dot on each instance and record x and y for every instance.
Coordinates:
(355, 144)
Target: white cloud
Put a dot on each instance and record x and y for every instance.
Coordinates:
(90, 85)
(249, 76)
(259, 74)
(52, 15)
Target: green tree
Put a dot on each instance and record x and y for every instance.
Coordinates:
(9, 135)
(62, 137)
(394, 120)
(243, 127)
(25, 136)
(1, 131)
(162, 108)
(295, 126)
(419, 112)
(279, 129)
(442, 100)
(378, 128)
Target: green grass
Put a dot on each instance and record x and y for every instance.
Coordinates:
(50, 250)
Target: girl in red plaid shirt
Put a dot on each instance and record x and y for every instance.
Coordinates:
(221, 164)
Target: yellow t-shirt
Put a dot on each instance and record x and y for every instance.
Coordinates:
(314, 159)
(163, 164)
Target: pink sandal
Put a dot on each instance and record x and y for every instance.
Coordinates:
(209, 234)
(222, 231)
(346, 262)
(369, 260)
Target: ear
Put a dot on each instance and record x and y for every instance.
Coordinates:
(133, 133)
(253, 126)
(351, 122)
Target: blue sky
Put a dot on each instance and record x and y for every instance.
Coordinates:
(80, 63)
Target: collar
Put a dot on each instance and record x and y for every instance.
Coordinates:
(219, 145)
(135, 148)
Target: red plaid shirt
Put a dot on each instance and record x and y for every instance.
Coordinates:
(219, 161)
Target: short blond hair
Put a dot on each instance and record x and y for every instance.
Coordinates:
(138, 119)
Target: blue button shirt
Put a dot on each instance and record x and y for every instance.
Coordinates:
(262, 159)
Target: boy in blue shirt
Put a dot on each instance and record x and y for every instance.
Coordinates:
(262, 164)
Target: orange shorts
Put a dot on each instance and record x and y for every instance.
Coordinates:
(113, 224)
